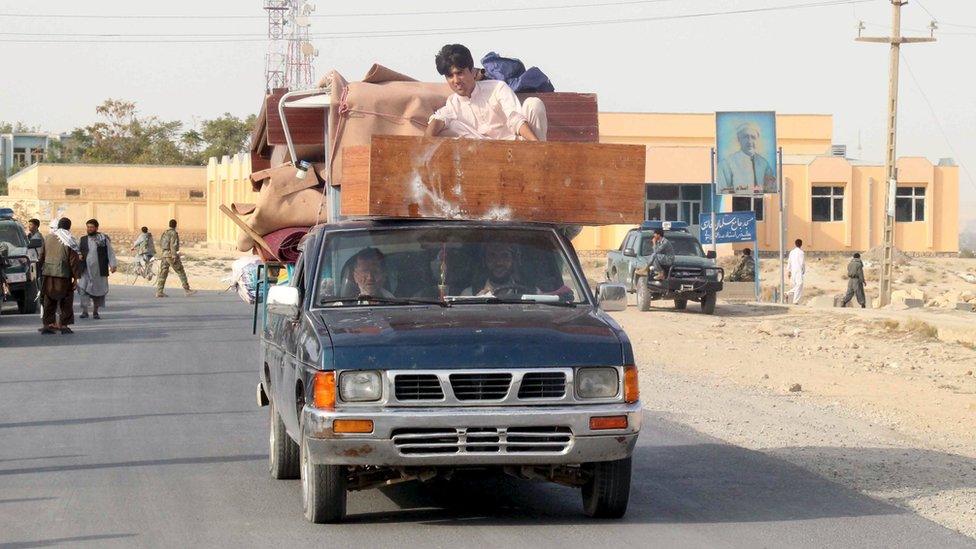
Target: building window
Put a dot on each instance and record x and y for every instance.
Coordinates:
(910, 204)
(196, 194)
(20, 157)
(828, 203)
(748, 204)
(129, 193)
(72, 192)
(36, 155)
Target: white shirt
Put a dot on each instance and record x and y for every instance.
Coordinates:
(493, 111)
(797, 261)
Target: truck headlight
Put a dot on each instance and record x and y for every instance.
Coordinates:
(360, 386)
(597, 382)
(714, 273)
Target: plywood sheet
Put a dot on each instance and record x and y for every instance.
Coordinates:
(580, 183)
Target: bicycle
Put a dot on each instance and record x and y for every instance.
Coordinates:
(147, 271)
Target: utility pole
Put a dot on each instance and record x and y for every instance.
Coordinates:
(891, 172)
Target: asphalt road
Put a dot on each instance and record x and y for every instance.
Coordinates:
(141, 430)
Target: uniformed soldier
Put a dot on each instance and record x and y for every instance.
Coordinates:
(745, 271)
(169, 247)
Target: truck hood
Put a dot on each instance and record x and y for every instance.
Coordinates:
(693, 261)
(470, 336)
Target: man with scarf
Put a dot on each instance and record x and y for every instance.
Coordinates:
(60, 265)
(97, 261)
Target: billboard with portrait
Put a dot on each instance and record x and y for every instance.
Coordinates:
(745, 144)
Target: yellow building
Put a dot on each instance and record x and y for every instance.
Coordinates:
(122, 197)
(833, 203)
(228, 181)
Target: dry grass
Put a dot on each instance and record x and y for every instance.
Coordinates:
(924, 329)
(909, 279)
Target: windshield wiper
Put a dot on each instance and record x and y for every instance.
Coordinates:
(385, 300)
(493, 299)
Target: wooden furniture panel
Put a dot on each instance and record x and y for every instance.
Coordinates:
(580, 183)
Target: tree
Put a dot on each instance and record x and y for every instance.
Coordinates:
(17, 127)
(122, 137)
(226, 134)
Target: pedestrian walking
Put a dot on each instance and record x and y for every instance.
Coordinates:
(61, 266)
(855, 282)
(798, 267)
(97, 262)
(169, 249)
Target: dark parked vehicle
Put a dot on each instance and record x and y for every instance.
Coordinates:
(18, 270)
(693, 277)
(411, 349)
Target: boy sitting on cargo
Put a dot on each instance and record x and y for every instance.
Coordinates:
(482, 109)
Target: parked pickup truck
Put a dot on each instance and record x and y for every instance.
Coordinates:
(693, 277)
(409, 349)
(18, 271)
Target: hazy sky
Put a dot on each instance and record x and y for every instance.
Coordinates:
(791, 61)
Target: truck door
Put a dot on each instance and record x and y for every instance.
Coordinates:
(291, 367)
(626, 271)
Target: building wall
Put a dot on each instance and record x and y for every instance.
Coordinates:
(228, 181)
(122, 197)
(679, 152)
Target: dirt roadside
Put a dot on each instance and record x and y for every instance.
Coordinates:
(876, 404)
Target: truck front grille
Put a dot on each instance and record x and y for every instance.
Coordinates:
(418, 387)
(543, 385)
(686, 272)
(483, 440)
(480, 386)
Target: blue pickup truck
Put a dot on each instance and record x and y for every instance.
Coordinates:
(693, 277)
(406, 350)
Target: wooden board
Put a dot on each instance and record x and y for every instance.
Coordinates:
(580, 183)
(307, 126)
(573, 117)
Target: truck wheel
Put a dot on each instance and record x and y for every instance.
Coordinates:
(323, 489)
(708, 303)
(680, 304)
(643, 294)
(606, 493)
(282, 450)
(26, 303)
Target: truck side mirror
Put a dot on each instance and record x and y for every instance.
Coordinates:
(710, 254)
(611, 297)
(284, 301)
(629, 252)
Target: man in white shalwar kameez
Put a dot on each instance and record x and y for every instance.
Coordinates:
(97, 260)
(797, 267)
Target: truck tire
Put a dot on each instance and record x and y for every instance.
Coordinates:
(708, 303)
(680, 304)
(26, 304)
(282, 450)
(323, 489)
(606, 493)
(643, 294)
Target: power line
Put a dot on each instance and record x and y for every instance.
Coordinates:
(331, 15)
(453, 30)
(938, 122)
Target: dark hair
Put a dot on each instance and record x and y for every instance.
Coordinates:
(659, 232)
(64, 223)
(857, 255)
(92, 221)
(35, 221)
(746, 251)
(172, 223)
(798, 242)
(368, 254)
(453, 56)
(144, 229)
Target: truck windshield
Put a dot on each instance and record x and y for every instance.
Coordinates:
(13, 235)
(683, 245)
(456, 265)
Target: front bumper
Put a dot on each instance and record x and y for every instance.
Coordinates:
(472, 436)
(686, 286)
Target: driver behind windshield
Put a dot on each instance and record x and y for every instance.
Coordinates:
(500, 260)
(369, 274)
